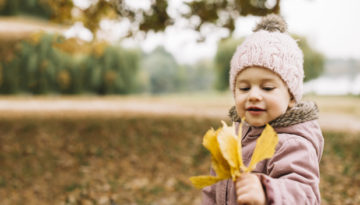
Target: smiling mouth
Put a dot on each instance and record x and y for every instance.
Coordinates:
(254, 109)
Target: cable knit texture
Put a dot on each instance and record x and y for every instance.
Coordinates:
(273, 50)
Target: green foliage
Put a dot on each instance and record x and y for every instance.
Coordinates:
(28, 7)
(115, 71)
(35, 67)
(41, 66)
(50, 64)
(225, 51)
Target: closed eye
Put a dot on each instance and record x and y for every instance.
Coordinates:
(268, 88)
(244, 89)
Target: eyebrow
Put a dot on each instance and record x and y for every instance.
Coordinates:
(262, 80)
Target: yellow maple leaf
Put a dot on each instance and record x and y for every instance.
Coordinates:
(219, 164)
(227, 140)
(265, 147)
(226, 153)
(203, 181)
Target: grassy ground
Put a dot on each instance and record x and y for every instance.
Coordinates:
(136, 160)
(132, 160)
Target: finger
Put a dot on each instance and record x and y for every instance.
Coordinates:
(241, 191)
(243, 181)
(244, 199)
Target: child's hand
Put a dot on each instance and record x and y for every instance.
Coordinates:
(249, 190)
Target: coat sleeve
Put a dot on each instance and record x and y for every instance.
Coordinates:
(293, 174)
(209, 193)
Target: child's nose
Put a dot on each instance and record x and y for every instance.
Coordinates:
(255, 94)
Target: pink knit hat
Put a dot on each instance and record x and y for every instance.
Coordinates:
(272, 48)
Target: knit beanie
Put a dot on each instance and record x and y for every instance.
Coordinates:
(271, 47)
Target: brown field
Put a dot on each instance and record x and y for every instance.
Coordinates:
(138, 150)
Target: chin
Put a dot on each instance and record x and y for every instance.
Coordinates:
(259, 125)
(256, 124)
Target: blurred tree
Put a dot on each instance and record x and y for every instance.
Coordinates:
(314, 61)
(200, 76)
(37, 67)
(118, 70)
(46, 64)
(21, 7)
(225, 51)
(220, 13)
(163, 72)
(196, 77)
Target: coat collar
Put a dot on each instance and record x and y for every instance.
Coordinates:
(301, 112)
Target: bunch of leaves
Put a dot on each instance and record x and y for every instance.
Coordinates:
(226, 153)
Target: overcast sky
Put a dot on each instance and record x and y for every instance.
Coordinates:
(330, 26)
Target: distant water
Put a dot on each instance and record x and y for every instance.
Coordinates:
(334, 85)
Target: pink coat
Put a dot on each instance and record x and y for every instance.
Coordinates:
(291, 176)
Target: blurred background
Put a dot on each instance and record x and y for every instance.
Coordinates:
(106, 101)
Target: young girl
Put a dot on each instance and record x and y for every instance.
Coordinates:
(266, 79)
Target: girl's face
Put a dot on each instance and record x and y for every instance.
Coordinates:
(261, 96)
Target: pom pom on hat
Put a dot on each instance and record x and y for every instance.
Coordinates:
(272, 48)
(272, 23)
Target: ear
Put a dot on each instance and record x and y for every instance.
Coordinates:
(292, 102)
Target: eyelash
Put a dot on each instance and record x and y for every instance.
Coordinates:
(244, 89)
(264, 88)
(268, 88)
